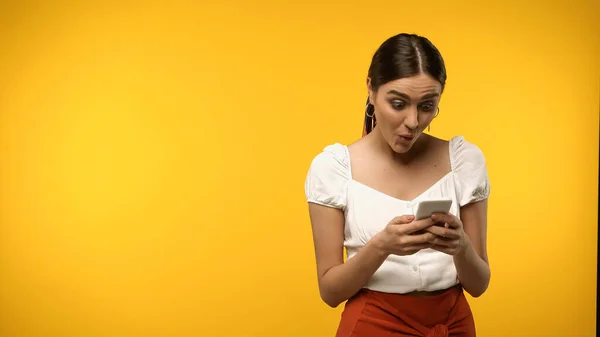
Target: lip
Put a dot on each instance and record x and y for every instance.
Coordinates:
(407, 137)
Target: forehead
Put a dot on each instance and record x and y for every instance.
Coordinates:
(414, 85)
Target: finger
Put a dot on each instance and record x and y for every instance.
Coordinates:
(443, 232)
(419, 238)
(403, 219)
(443, 249)
(417, 247)
(448, 219)
(418, 225)
(441, 224)
(447, 243)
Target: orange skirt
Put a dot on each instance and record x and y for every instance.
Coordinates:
(375, 314)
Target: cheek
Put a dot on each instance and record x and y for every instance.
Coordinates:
(386, 115)
(425, 118)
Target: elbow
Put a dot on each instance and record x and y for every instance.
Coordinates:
(476, 292)
(331, 292)
(330, 299)
(332, 304)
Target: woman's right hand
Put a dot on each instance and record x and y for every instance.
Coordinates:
(405, 236)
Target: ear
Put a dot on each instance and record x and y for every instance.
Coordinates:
(370, 89)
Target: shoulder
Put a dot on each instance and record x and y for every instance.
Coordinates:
(332, 157)
(468, 164)
(463, 152)
(328, 177)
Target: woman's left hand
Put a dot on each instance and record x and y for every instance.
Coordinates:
(450, 236)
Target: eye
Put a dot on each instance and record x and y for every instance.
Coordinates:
(397, 104)
(427, 107)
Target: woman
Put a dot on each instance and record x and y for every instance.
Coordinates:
(402, 277)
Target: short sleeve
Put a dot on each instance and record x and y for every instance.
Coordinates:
(470, 171)
(327, 179)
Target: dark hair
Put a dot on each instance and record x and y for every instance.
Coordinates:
(400, 56)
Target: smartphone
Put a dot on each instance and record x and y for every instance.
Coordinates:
(426, 208)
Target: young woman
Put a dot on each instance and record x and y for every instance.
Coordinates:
(402, 277)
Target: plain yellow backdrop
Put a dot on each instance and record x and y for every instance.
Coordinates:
(153, 157)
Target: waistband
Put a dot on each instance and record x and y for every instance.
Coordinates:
(435, 315)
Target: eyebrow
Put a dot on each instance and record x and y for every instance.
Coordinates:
(426, 96)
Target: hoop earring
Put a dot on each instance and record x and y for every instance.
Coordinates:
(372, 115)
(434, 116)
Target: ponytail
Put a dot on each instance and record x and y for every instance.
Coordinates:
(370, 121)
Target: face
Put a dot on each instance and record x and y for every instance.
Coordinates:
(404, 108)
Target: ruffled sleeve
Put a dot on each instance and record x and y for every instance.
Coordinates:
(328, 176)
(470, 171)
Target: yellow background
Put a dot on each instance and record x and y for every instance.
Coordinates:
(153, 157)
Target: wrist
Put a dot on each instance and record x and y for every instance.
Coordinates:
(377, 243)
(464, 250)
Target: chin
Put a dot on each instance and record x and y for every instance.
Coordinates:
(401, 148)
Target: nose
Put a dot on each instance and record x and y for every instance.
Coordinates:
(412, 118)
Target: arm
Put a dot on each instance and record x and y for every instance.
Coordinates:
(472, 262)
(338, 281)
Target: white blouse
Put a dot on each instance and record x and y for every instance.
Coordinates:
(367, 211)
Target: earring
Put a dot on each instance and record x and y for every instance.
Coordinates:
(371, 114)
(434, 116)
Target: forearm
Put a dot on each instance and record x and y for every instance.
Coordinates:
(473, 271)
(343, 281)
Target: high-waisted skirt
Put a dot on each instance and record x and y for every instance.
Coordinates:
(375, 314)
